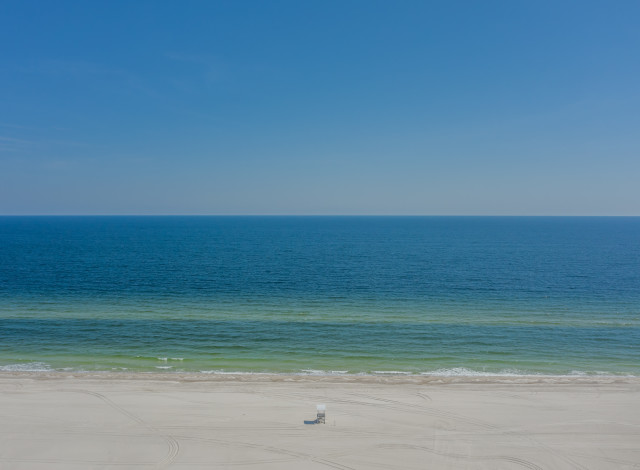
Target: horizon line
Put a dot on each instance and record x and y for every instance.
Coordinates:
(318, 215)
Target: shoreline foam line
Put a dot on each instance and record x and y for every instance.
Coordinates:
(165, 376)
(42, 367)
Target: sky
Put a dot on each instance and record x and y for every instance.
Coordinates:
(320, 107)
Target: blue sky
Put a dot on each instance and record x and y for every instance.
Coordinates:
(320, 107)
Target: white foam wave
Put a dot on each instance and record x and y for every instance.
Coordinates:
(464, 372)
(226, 372)
(443, 372)
(322, 372)
(27, 367)
(390, 372)
(450, 372)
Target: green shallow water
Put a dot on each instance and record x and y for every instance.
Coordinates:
(321, 295)
(316, 338)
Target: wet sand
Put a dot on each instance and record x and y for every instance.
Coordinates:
(191, 421)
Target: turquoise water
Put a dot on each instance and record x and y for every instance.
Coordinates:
(316, 295)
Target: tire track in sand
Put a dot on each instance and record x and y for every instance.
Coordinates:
(369, 400)
(398, 405)
(276, 450)
(508, 458)
(172, 443)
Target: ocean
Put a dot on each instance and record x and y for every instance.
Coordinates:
(321, 295)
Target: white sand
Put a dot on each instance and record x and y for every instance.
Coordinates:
(99, 421)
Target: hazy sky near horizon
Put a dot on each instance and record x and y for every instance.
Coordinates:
(320, 107)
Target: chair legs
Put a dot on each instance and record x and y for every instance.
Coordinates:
(321, 409)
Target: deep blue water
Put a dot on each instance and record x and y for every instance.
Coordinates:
(554, 295)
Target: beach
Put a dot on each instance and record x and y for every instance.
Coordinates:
(208, 342)
(58, 420)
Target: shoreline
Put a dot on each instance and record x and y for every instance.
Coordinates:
(267, 377)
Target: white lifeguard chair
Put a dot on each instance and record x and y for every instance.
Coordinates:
(321, 415)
